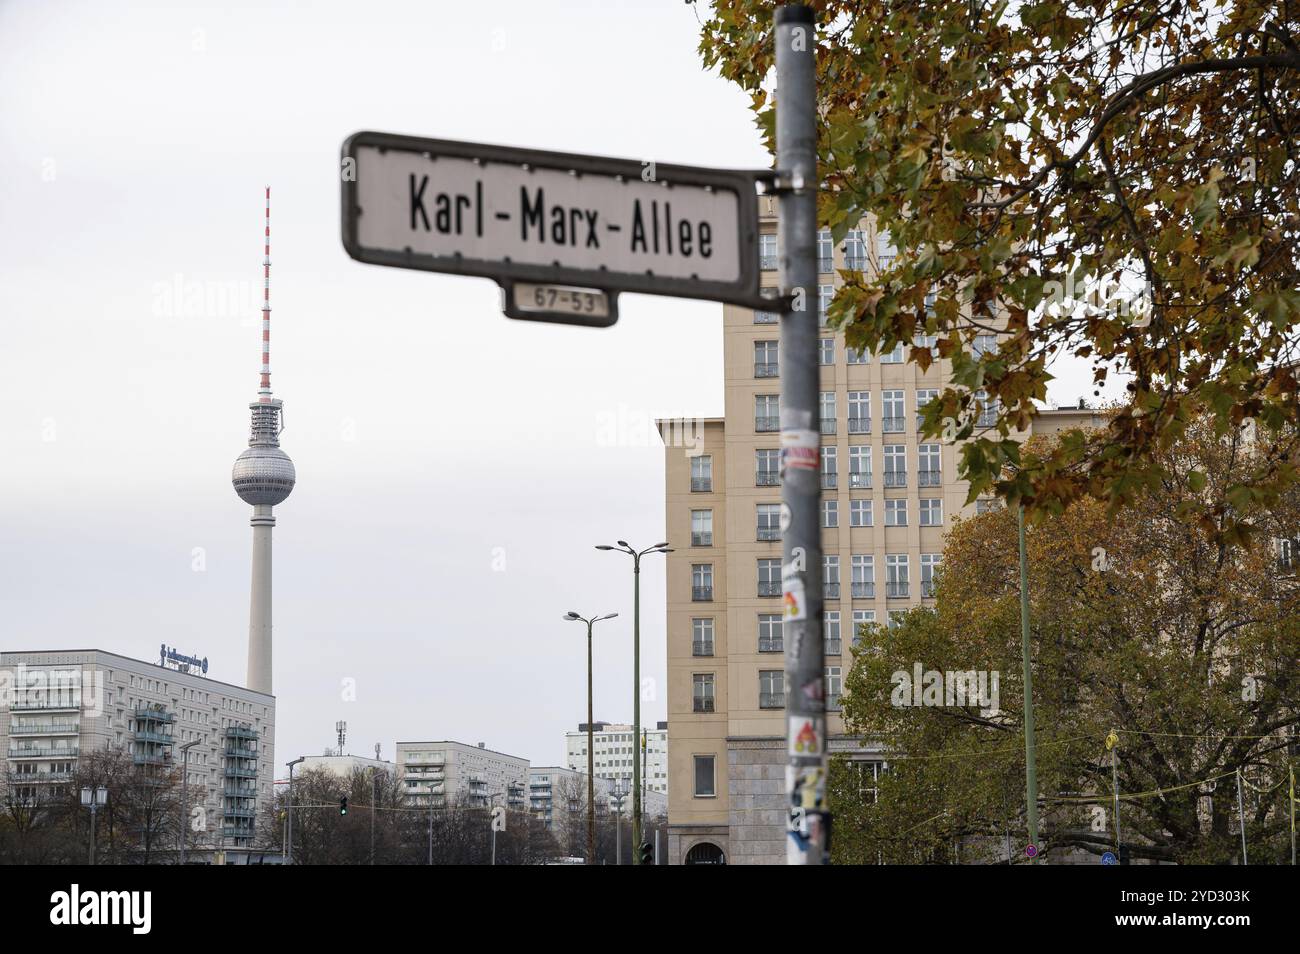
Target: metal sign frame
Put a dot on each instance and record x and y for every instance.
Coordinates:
(744, 291)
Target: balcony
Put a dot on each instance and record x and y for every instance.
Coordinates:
(241, 732)
(860, 481)
(153, 715)
(235, 832)
(702, 648)
(771, 644)
(929, 478)
(828, 425)
(151, 735)
(768, 534)
(766, 424)
(771, 700)
(238, 813)
(897, 589)
(856, 263)
(701, 485)
(239, 752)
(765, 318)
(825, 264)
(767, 478)
(833, 701)
(830, 480)
(765, 369)
(234, 770)
(702, 705)
(44, 752)
(767, 262)
(701, 594)
(240, 791)
(859, 424)
(895, 478)
(864, 591)
(927, 588)
(45, 705)
(48, 728)
(701, 538)
(768, 589)
(151, 758)
(830, 591)
(893, 425)
(833, 647)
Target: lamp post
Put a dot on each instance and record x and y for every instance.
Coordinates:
(185, 778)
(617, 795)
(94, 799)
(288, 838)
(591, 749)
(636, 555)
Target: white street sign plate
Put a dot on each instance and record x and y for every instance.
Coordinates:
(554, 219)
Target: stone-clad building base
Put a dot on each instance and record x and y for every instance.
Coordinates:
(758, 801)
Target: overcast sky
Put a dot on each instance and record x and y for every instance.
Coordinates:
(454, 467)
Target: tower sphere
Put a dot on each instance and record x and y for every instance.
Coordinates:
(263, 474)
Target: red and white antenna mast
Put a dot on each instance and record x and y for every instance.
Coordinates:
(264, 390)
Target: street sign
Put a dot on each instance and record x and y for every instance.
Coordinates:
(1108, 858)
(556, 220)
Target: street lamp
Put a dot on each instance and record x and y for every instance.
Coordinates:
(185, 778)
(636, 555)
(288, 838)
(93, 798)
(591, 749)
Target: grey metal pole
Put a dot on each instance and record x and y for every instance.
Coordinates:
(591, 762)
(1241, 818)
(374, 797)
(636, 704)
(93, 810)
(185, 778)
(657, 846)
(1291, 774)
(1114, 781)
(618, 834)
(808, 841)
(289, 833)
(1031, 759)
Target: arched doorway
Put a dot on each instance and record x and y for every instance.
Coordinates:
(705, 853)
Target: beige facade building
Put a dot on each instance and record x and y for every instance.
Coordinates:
(450, 772)
(888, 497)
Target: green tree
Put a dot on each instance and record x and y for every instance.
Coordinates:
(1111, 180)
(1140, 624)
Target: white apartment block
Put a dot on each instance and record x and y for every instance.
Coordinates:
(61, 705)
(615, 747)
(448, 772)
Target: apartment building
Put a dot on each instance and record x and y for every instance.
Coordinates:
(888, 496)
(450, 772)
(62, 705)
(615, 747)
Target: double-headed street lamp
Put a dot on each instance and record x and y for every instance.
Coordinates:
(591, 748)
(636, 555)
(185, 804)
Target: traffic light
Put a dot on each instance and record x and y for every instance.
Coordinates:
(1124, 856)
(343, 805)
(647, 853)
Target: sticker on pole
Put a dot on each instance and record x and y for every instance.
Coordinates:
(800, 449)
(805, 735)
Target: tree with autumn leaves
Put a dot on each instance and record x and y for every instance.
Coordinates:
(1181, 649)
(1104, 179)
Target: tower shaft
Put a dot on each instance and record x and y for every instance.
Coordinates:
(259, 607)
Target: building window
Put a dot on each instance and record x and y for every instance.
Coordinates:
(831, 633)
(834, 687)
(765, 318)
(860, 466)
(765, 359)
(702, 582)
(988, 409)
(895, 513)
(702, 692)
(701, 528)
(767, 412)
(929, 572)
(893, 357)
(885, 251)
(701, 474)
(863, 570)
(767, 468)
(896, 575)
(862, 618)
(771, 688)
(830, 577)
(931, 512)
(984, 344)
(987, 505)
(824, 295)
(769, 577)
(895, 465)
(892, 411)
(767, 253)
(854, 356)
(923, 397)
(928, 471)
(704, 782)
(869, 773)
(825, 252)
(702, 636)
(827, 405)
(830, 455)
(769, 521)
(859, 412)
(825, 351)
(855, 250)
(860, 513)
(830, 514)
(769, 633)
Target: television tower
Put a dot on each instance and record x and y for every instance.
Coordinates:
(263, 476)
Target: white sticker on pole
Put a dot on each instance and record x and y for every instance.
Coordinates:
(794, 598)
(800, 449)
